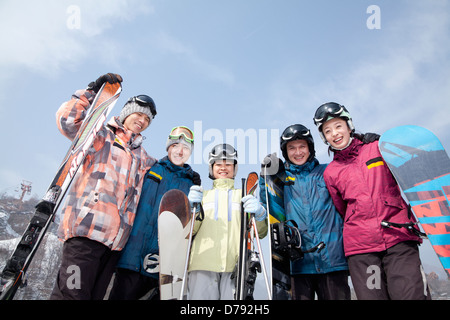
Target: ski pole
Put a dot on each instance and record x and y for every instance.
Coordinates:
(242, 251)
(183, 283)
(270, 231)
(258, 243)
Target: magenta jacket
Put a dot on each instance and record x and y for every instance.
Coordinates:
(365, 193)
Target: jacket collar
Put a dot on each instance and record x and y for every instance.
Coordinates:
(131, 139)
(223, 184)
(186, 169)
(306, 167)
(349, 153)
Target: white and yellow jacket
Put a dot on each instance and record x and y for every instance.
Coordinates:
(215, 246)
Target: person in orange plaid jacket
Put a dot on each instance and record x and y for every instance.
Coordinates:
(100, 207)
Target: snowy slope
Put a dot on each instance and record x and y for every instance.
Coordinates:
(42, 272)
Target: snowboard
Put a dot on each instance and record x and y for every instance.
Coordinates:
(280, 263)
(421, 166)
(174, 231)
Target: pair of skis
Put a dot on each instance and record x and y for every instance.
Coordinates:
(250, 261)
(13, 274)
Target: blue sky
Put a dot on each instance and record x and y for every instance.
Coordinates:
(246, 68)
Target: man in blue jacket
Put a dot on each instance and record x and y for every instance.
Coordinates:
(136, 274)
(305, 200)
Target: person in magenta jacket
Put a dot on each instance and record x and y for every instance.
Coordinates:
(383, 257)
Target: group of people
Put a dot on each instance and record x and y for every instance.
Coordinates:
(109, 222)
(343, 205)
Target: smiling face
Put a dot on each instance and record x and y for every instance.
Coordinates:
(136, 122)
(298, 151)
(179, 153)
(223, 169)
(337, 133)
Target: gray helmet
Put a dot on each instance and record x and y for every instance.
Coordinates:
(222, 151)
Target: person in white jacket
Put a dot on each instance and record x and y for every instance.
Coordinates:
(215, 247)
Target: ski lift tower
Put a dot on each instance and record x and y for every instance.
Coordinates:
(26, 188)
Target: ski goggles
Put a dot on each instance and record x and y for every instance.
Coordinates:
(145, 101)
(188, 136)
(295, 130)
(223, 150)
(331, 109)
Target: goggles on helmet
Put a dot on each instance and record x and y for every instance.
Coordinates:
(188, 136)
(223, 151)
(145, 101)
(330, 109)
(295, 130)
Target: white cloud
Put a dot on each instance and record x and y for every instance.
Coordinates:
(404, 82)
(408, 82)
(44, 36)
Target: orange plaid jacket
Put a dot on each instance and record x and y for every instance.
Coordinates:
(102, 201)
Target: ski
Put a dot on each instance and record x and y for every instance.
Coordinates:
(256, 261)
(13, 274)
(251, 261)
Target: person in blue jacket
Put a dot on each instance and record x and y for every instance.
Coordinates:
(304, 199)
(137, 269)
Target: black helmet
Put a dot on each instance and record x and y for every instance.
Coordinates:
(297, 132)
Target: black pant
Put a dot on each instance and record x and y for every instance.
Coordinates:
(327, 286)
(86, 270)
(131, 285)
(393, 274)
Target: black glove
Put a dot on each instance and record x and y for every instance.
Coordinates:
(196, 179)
(367, 137)
(109, 77)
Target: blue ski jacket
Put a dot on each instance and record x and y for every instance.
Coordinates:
(163, 176)
(309, 204)
(306, 201)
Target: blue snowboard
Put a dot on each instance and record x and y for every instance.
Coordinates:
(421, 167)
